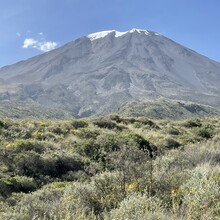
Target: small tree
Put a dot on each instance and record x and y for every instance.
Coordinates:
(130, 161)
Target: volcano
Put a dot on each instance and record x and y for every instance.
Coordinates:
(99, 73)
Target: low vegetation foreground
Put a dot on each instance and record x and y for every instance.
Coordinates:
(110, 167)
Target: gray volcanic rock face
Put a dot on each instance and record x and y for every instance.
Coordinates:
(98, 73)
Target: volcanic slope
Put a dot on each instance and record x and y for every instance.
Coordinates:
(98, 73)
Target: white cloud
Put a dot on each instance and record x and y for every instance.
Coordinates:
(30, 42)
(44, 46)
(41, 34)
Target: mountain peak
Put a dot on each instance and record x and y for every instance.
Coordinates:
(102, 34)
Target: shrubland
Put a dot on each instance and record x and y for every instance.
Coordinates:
(110, 167)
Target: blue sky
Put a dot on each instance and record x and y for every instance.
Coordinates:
(30, 27)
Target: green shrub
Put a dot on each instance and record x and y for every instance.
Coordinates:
(201, 194)
(6, 186)
(79, 124)
(9, 185)
(57, 130)
(108, 142)
(170, 143)
(144, 144)
(24, 184)
(59, 164)
(104, 123)
(42, 204)
(139, 207)
(173, 131)
(89, 149)
(54, 165)
(24, 145)
(169, 175)
(107, 190)
(115, 118)
(148, 122)
(128, 120)
(28, 164)
(131, 162)
(204, 132)
(2, 124)
(85, 133)
(193, 123)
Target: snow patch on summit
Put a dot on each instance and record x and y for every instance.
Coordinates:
(139, 31)
(119, 34)
(103, 34)
(98, 35)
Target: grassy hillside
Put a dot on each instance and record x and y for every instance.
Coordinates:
(167, 109)
(110, 167)
(23, 110)
(157, 109)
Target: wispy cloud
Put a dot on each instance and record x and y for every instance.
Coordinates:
(18, 34)
(41, 44)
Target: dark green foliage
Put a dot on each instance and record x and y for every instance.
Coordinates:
(193, 123)
(79, 124)
(16, 184)
(116, 118)
(57, 130)
(89, 148)
(105, 123)
(2, 124)
(204, 132)
(146, 121)
(28, 164)
(34, 165)
(57, 165)
(173, 131)
(108, 142)
(36, 146)
(171, 143)
(144, 145)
